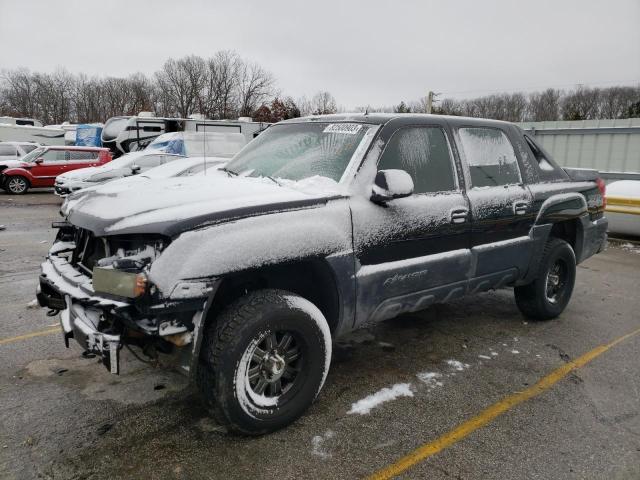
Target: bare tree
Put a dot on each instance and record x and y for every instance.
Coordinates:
(181, 82)
(218, 97)
(323, 103)
(544, 106)
(255, 85)
(581, 104)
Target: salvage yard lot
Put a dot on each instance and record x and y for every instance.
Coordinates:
(63, 416)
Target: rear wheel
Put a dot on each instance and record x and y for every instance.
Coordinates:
(264, 361)
(16, 185)
(548, 295)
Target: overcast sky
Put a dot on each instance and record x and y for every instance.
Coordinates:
(363, 52)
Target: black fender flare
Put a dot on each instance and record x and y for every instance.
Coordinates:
(555, 209)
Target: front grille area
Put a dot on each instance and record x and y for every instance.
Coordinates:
(89, 249)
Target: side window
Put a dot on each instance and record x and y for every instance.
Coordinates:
(55, 156)
(82, 156)
(539, 155)
(423, 152)
(490, 156)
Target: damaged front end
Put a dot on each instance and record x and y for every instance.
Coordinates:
(100, 285)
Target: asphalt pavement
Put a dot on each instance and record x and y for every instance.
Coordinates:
(63, 416)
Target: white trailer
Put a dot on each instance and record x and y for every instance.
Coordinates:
(21, 121)
(28, 133)
(130, 134)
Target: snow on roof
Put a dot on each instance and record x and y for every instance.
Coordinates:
(73, 147)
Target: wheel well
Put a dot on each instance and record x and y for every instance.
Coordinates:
(567, 231)
(312, 279)
(9, 176)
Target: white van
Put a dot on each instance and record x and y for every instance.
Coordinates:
(131, 134)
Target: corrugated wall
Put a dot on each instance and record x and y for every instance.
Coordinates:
(605, 145)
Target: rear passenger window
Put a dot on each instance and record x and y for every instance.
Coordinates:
(541, 158)
(490, 156)
(82, 156)
(423, 152)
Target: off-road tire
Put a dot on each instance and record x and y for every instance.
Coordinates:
(533, 299)
(224, 369)
(12, 183)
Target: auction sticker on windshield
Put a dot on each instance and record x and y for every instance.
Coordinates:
(348, 128)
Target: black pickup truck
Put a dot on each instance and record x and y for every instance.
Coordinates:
(317, 226)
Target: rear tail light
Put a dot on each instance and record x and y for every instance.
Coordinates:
(105, 157)
(603, 191)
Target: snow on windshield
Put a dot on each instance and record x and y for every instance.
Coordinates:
(300, 150)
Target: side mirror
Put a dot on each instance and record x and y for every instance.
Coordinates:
(390, 184)
(39, 160)
(135, 169)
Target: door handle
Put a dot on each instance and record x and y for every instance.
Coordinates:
(459, 215)
(520, 208)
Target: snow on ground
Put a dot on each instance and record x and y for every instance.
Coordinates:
(430, 379)
(630, 247)
(317, 445)
(457, 365)
(364, 406)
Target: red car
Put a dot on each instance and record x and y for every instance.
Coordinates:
(41, 167)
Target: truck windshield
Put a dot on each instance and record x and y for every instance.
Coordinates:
(300, 150)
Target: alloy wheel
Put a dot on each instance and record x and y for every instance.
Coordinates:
(274, 365)
(555, 281)
(17, 185)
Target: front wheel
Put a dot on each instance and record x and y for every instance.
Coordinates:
(548, 295)
(264, 361)
(16, 185)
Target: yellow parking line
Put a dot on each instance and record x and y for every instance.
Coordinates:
(26, 336)
(429, 449)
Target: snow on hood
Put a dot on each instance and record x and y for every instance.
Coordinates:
(12, 163)
(78, 174)
(149, 207)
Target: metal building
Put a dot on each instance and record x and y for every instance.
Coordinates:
(610, 146)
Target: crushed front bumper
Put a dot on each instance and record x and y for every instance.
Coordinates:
(102, 326)
(64, 289)
(81, 324)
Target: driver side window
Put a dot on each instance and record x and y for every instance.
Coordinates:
(423, 152)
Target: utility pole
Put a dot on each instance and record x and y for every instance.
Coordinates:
(431, 97)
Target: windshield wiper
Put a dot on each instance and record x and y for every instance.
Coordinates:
(230, 172)
(273, 180)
